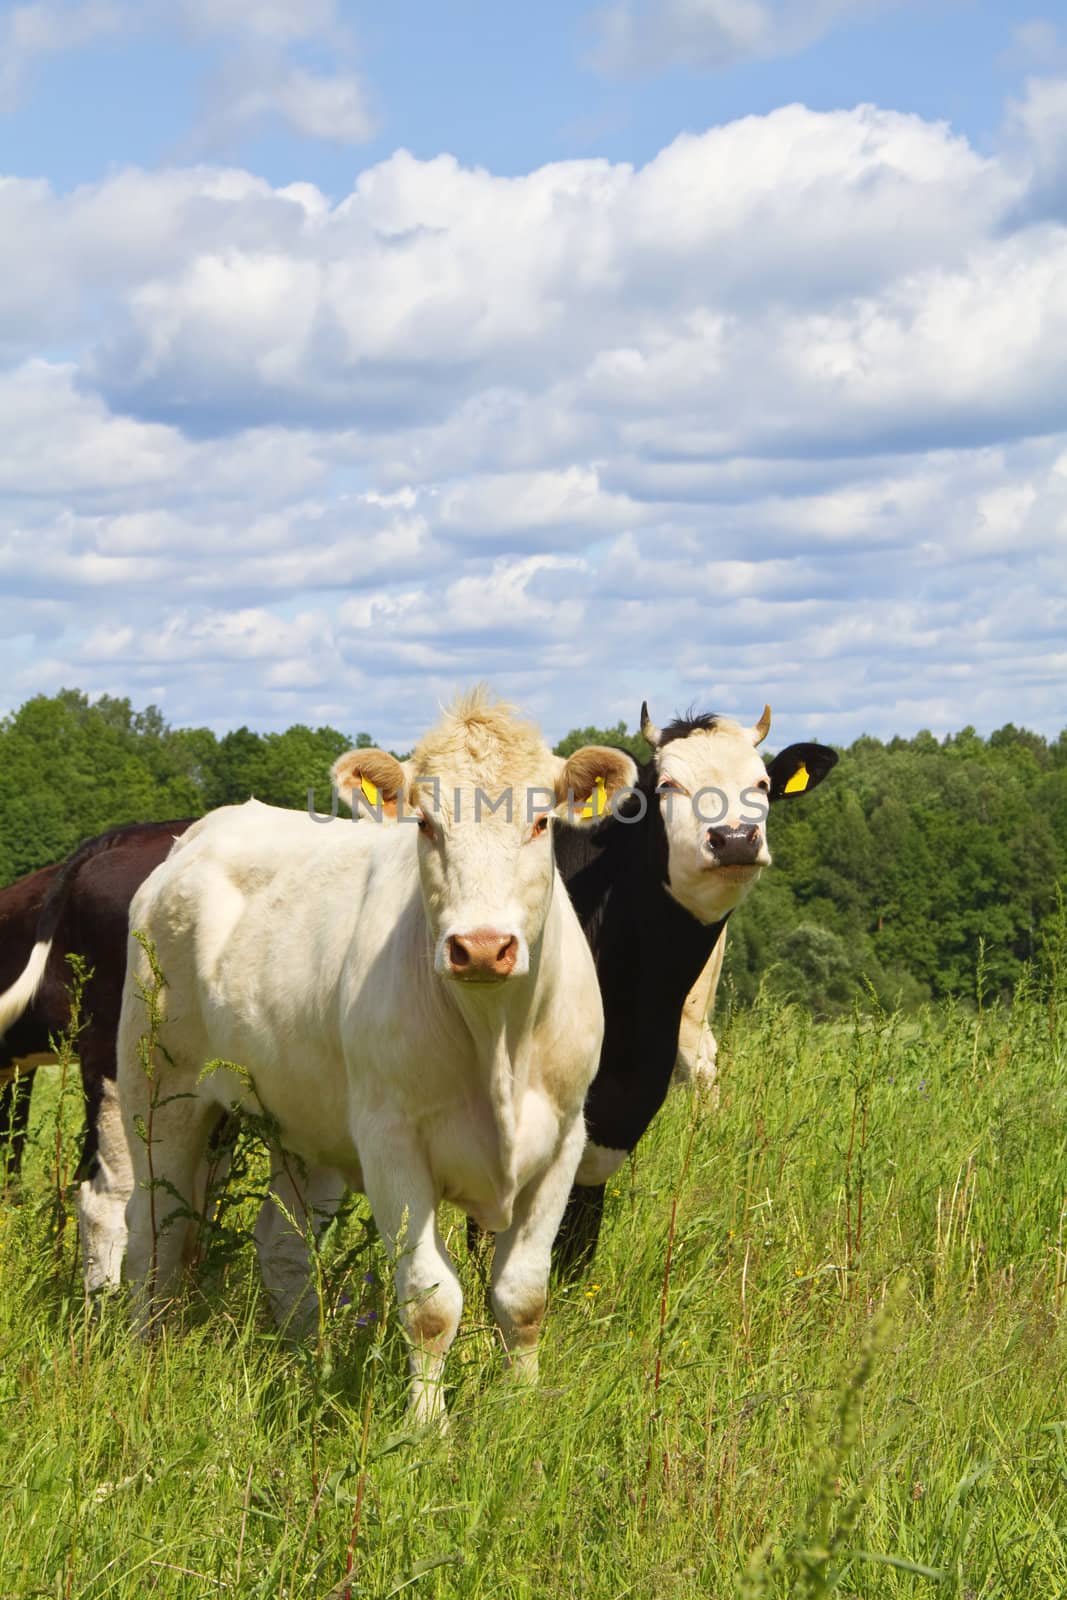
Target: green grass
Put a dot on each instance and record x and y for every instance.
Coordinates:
(856, 1383)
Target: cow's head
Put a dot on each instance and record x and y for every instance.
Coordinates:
(714, 792)
(481, 792)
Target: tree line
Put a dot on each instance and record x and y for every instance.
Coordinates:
(921, 867)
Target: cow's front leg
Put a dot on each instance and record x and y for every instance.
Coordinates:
(398, 1183)
(523, 1256)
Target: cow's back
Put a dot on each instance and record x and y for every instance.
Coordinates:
(94, 926)
(252, 922)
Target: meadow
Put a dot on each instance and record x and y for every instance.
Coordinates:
(823, 1350)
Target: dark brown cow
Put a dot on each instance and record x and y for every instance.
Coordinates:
(79, 906)
(23, 1043)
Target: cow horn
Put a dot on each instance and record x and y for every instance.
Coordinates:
(763, 726)
(649, 732)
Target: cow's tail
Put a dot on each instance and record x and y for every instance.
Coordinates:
(15, 1000)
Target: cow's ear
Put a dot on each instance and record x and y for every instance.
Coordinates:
(589, 780)
(371, 781)
(799, 768)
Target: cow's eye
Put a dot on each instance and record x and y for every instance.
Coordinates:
(425, 825)
(540, 826)
(668, 786)
(764, 786)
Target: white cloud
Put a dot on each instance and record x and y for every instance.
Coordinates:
(277, 20)
(1036, 135)
(260, 78)
(1036, 44)
(233, 595)
(213, 639)
(322, 106)
(261, 84)
(64, 447)
(642, 36)
(556, 506)
(431, 285)
(31, 32)
(778, 415)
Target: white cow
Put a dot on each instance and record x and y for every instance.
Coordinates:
(415, 1007)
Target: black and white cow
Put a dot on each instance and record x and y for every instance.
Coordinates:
(653, 885)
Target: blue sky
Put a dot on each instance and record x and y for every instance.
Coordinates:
(707, 350)
(504, 87)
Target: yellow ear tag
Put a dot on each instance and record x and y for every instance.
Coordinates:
(597, 803)
(370, 790)
(798, 782)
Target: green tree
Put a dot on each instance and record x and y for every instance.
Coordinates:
(617, 736)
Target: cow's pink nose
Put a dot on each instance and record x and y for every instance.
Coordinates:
(485, 953)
